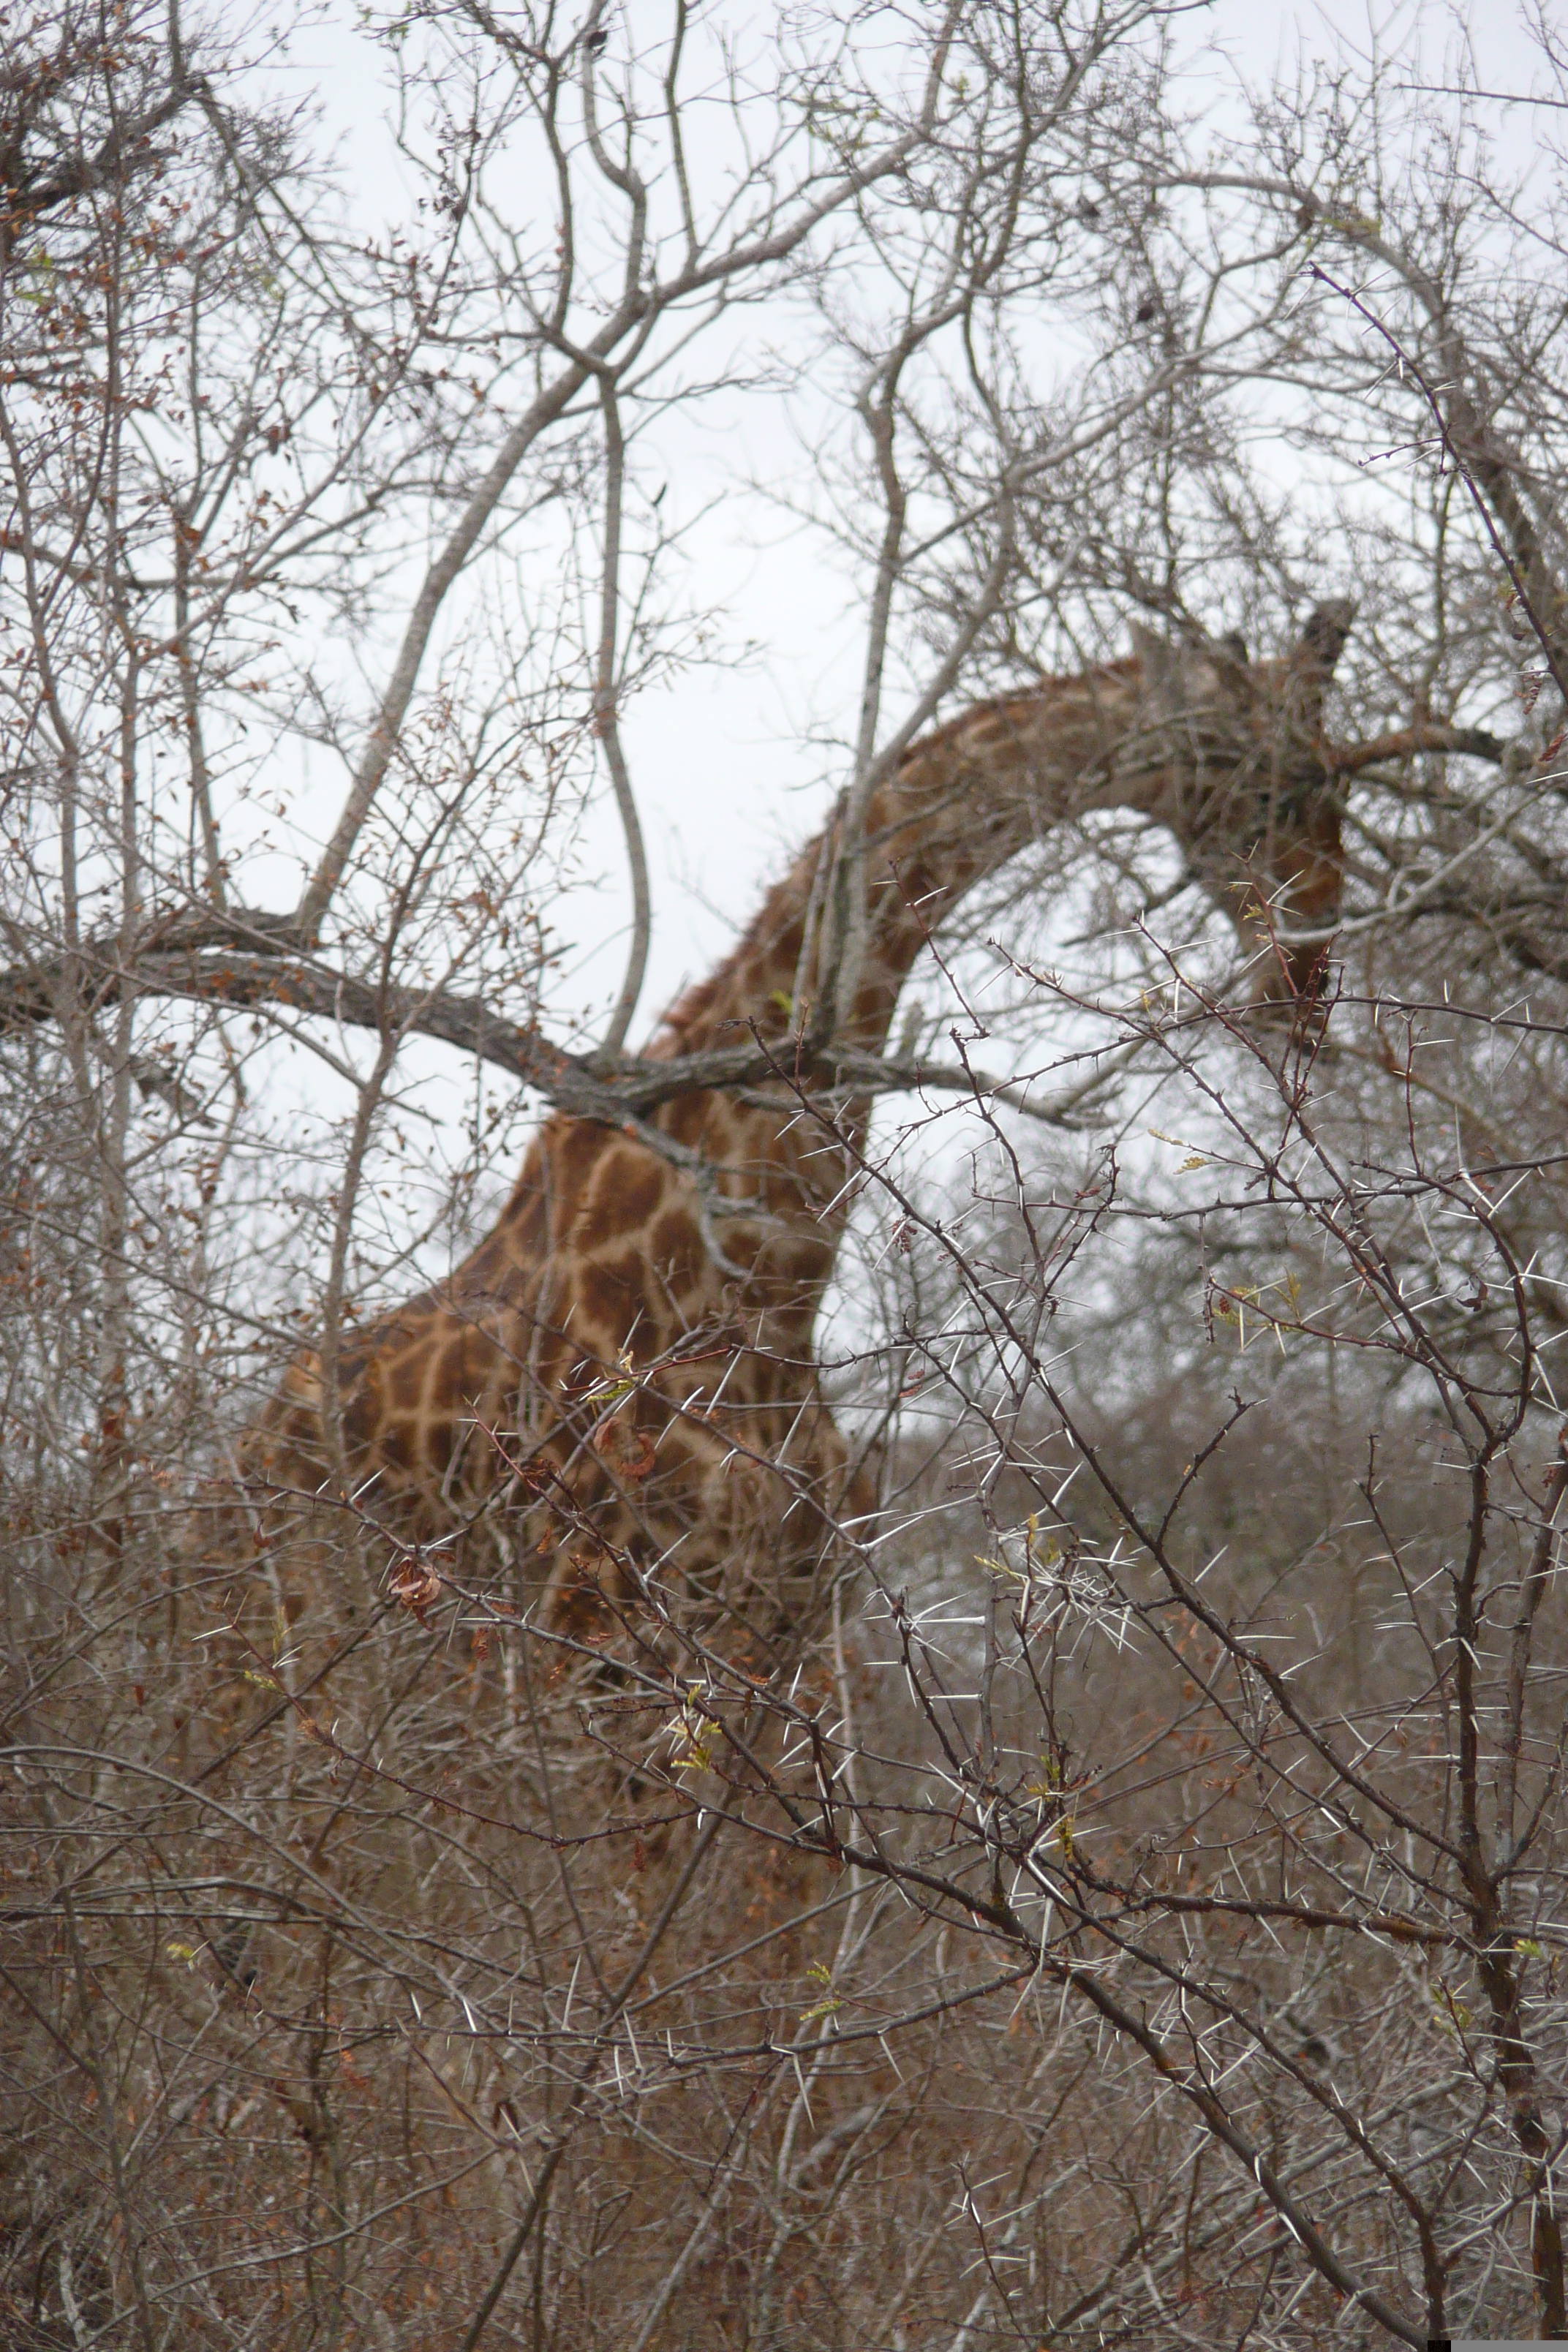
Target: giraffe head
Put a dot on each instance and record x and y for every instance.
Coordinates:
(1230, 754)
(1226, 752)
(1207, 709)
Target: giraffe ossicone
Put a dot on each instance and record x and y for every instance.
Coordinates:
(623, 1369)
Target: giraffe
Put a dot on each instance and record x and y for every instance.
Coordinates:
(629, 1353)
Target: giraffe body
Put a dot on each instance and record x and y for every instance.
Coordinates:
(636, 1366)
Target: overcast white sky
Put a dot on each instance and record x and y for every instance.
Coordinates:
(723, 773)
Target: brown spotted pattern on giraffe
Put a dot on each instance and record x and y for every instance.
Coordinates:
(677, 1248)
(806, 1262)
(397, 1440)
(574, 1150)
(498, 1258)
(614, 1301)
(463, 1367)
(524, 1218)
(624, 1191)
(406, 1379)
(686, 1119)
(367, 1416)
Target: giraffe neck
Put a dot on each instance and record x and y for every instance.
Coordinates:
(961, 802)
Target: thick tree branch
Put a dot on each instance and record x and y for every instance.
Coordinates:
(253, 961)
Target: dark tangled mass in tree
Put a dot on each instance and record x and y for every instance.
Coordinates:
(876, 1660)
